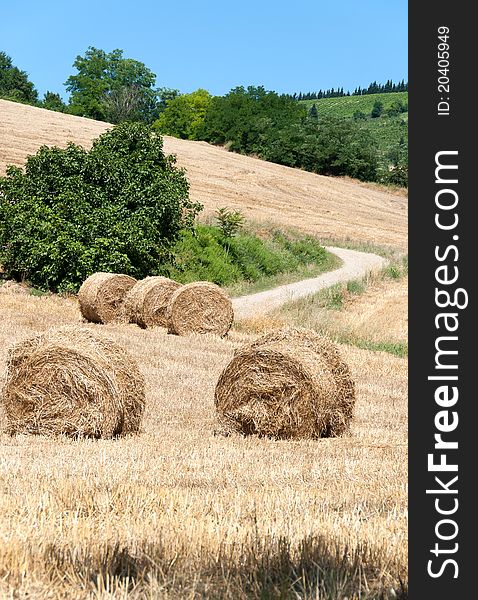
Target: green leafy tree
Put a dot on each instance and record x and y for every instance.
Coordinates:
(377, 109)
(184, 115)
(176, 119)
(53, 101)
(359, 115)
(101, 75)
(164, 96)
(14, 83)
(334, 147)
(397, 107)
(242, 117)
(117, 207)
(277, 128)
(398, 166)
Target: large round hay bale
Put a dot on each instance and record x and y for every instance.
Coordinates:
(146, 302)
(291, 383)
(199, 307)
(73, 381)
(102, 295)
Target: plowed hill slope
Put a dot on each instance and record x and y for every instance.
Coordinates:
(325, 206)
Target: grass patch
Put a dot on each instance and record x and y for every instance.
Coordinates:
(335, 297)
(355, 287)
(332, 298)
(247, 262)
(399, 349)
(37, 292)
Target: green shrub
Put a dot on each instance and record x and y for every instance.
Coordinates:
(118, 207)
(205, 253)
(198, 256)
(230, 222)
(256, 257)
(306, 249)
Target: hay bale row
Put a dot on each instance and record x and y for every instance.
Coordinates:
(75, 382)
(288, 384)
(199, 307)
(71, 381)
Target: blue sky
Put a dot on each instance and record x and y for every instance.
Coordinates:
(217, 45)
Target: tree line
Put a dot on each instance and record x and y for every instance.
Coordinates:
(373, 88)
(275, 127)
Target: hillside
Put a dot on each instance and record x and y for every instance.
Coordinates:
(390, 133)
(265, 192)
(345, 106)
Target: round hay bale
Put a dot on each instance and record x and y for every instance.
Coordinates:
(146, 302)
(199, 307)
(75, 382)
(102, 295)
(291, 383)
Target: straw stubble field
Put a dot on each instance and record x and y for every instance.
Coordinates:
(379, 315)
(188, 514)
(178, 512)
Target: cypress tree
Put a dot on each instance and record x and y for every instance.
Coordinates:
(313, 113)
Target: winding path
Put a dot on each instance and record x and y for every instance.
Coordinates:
(355, 264)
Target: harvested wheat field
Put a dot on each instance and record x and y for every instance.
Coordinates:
(265, 192)
(178, 512)
(381, 313)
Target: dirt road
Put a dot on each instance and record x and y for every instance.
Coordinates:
(355, 264)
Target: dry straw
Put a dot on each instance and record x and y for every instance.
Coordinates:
(200, 307)
(291, 383)
(146, 302)
(73, 381)
(102, 295)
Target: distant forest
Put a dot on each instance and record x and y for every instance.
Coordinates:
(373, 88)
